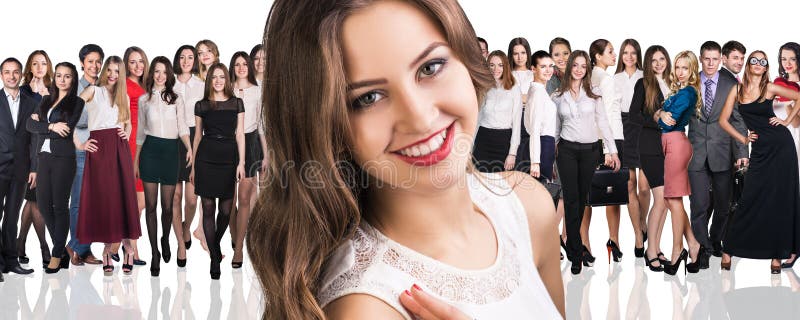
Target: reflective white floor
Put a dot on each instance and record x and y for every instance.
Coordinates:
(623, 290)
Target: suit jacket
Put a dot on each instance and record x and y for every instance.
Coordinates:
(711, 143)
(59, 146)
(15, 141)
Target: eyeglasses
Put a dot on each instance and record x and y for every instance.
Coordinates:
(755, 61)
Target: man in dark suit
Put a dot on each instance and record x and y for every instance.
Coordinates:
(710, 170)
(15, 160)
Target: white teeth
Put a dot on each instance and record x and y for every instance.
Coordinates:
(415, 151)
(423, 149)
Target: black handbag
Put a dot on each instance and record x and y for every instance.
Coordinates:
(609, 187)
(553, 188)
(738, 187)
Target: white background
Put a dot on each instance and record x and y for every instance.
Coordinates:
(160, 27)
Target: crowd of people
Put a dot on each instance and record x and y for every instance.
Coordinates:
(637, 120)
(90, 153)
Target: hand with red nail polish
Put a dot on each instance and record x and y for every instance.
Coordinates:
(426, 307)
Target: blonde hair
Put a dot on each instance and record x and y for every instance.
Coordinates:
(119, 94)
(694, 79)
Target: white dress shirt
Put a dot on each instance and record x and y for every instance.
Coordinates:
(14, 104)
(624, 85)
(523, 79)
(541, 118)
(190, 92)
(502, 109)
(46, 143)
(580, 120)
(251, 97)
(604, 83)
(161, 120)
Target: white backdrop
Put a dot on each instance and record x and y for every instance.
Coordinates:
(160, 27)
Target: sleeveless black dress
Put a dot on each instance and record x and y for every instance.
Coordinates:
(766, 222)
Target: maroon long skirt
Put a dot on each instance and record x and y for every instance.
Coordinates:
(108, 209)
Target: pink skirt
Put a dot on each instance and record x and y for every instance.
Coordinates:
(108, 209)
(677, 153)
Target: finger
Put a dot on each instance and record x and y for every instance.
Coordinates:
(436, 308)
(414, 307)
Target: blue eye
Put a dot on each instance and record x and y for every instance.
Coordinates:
(366, 100)
(431, 68)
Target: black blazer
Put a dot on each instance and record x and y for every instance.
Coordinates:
(650, 136)
(15, 141)
(59, 146)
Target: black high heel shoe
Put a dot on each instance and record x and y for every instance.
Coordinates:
(577, 265)
(787, 265)
(127, 267)
(588, 258)
(166, 254)
(155, 265)
(638, 252)
(136, 262)
(181, 263)
(672, 269)
(108, 266)
(663, 261)
(649, 264)
(613, 248)
(188, 244)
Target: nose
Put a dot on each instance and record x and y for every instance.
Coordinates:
(414, 110)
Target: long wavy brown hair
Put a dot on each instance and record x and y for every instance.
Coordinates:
(295, 228)
(586, 82)
(748, 74)
(650, 82)
(507, 81)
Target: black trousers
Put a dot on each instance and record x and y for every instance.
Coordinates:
(53, 185)
(576, 165)
(11, 193)
(707, 187)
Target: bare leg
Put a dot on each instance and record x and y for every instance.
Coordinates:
(634, 210)
(612, 216)
(587, 217)
(657, 214)
(644, 200)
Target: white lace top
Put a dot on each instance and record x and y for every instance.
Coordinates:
(511, 288)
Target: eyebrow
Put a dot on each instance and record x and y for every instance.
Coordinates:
(422, 55)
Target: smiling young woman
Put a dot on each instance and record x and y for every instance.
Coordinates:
(359, 241)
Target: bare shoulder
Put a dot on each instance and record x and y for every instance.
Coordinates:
(360, 306)
(534, 197)
(87, 94)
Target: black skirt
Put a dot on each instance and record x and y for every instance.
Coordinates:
(154, 154)
(215, 167)
(30, 194)
(631, 133)
(547, 156)
(491, 149)
(183, 170)
(253, 154)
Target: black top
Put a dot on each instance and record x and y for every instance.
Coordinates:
(35, 95)
(220, 117)
(59, 146)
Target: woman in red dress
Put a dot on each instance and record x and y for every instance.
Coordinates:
(136, 68)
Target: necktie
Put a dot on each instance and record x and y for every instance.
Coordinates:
(709, 98)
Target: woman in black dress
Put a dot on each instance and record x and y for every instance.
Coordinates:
(219, 156)
(766, 222)
(648, 96)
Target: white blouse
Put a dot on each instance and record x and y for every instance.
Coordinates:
(541, 118)
(624, 85)
(190, 92)
(371, 263)
(580, 120)
(502, 109)
(161, 120)
(102, 115)
(251, 97)
(603, 82)
(523, 79)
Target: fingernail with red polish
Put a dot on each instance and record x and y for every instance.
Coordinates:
(408, 293)
(416, 287)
